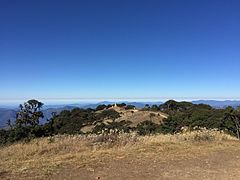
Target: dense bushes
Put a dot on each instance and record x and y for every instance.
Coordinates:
(186, 114)
(3, 136)
(101, 107)
(148, 127)
(108, 114)
(70, 122)
(199, 117)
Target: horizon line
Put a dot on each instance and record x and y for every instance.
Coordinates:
(120, 98)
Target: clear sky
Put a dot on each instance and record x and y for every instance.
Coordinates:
(119, 49)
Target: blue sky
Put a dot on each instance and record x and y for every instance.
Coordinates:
(119, 49)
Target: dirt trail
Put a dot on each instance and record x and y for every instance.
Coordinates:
(218, 164)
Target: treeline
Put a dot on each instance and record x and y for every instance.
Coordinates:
(180, 114)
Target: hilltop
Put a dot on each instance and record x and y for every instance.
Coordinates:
(134, 116)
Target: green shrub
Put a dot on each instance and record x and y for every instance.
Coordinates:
(147, 127)
(128, 107)
(101, 107)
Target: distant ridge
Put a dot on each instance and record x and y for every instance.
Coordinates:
(219, 104)
(137, 104)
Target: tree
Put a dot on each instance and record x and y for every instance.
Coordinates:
(130, 107)
(9, 124)
(101, 107)
(121, 105)
(70, 122)
(155, 108)
(147, 106)
(172, 106)
(147, 127)
(233, 115)
(3, 136)
(29, 114)
(109, 114)
(26, 125)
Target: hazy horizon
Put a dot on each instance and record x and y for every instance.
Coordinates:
(93, 101)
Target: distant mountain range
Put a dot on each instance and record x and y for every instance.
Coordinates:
(136, 104)
(10, 112)
(6, 114)
(218, 104)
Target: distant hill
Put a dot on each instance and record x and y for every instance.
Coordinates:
(135, 116)
(136, 104)
(218, 104)
(5, 115)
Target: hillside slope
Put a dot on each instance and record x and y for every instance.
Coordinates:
(135, 116)
(126, 156)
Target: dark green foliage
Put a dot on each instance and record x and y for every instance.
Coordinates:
(25, 133)
(27, 122)
(109, 106)
(130, 107)
(101, 107)
(29, 114)
(151, 108)
(17, 134)
(172, 106)
(147, 127)
(121, 105)
(108, 114)
(183, 114)
(146, 107)
(197, 116)
(232, 120)
(154, 108)
(4, 134)
(70, 122)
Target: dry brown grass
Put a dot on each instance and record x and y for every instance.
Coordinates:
(140, 116)
(43, 157)
(134, 116)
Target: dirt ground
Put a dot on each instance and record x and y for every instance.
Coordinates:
(217, 164)
(69, 158)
